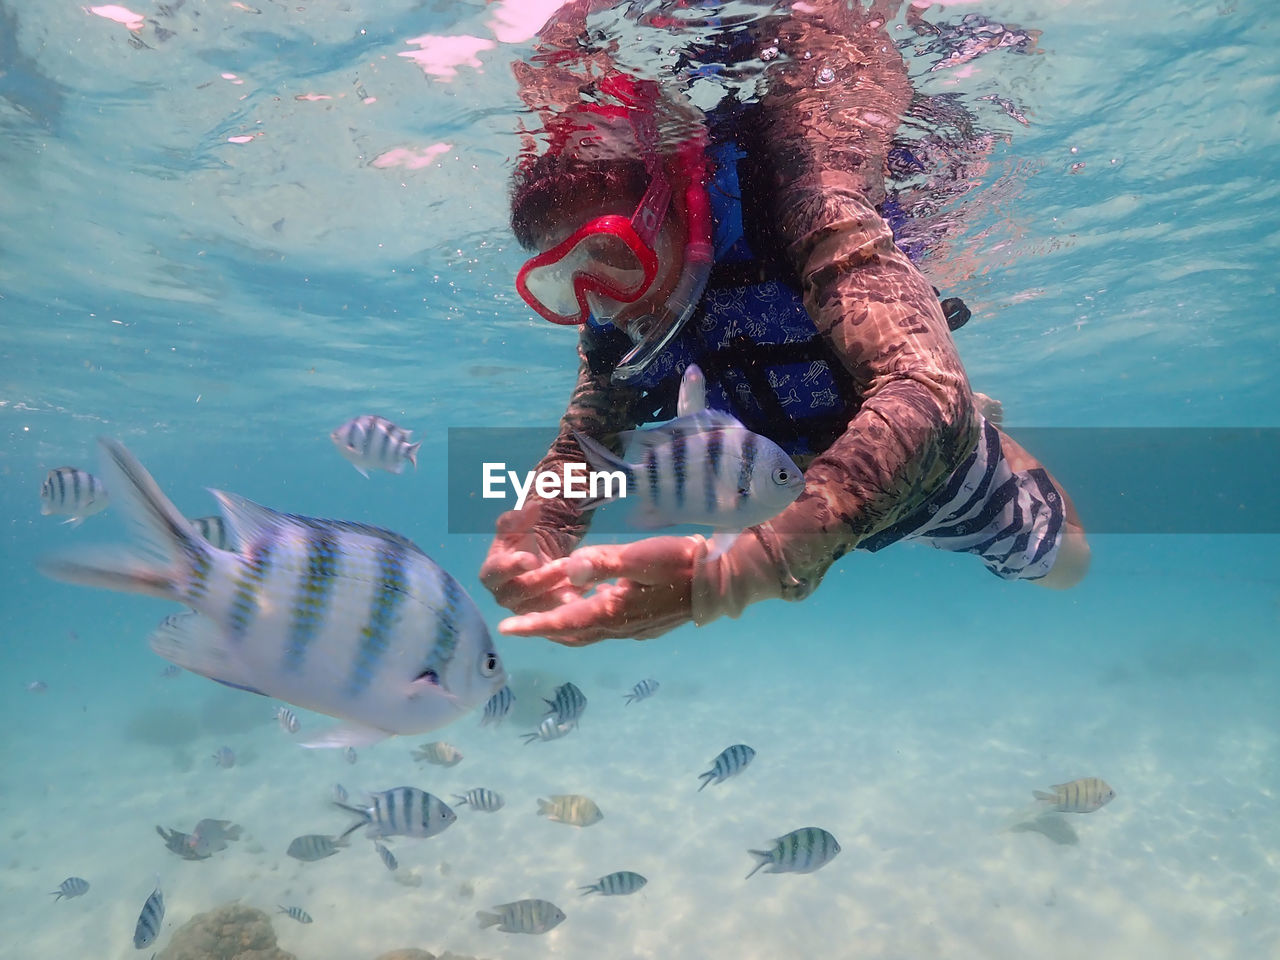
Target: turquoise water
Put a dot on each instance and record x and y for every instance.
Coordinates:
(221, 306)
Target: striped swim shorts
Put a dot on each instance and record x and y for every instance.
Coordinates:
(1013, 521)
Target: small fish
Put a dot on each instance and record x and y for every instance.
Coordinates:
(498, 706)
(37, 686)
(339, 793)
(642, 691)
(70, 888)
(72, 493)
(375, 443)
(170, 671)
(149, 920)
(800, 851)
(704, 467)
(481, 799)
(1079, 796)
(568, 704)
(439, 753)
(288, 720)
(297, 913)
(548, 729)
(214, 834)
(214, 529)
(350, 755)
(224, 757)
(338, 617)
(616, 884)
(401, 811)
(388, 858)
(186, 845)
(311, 847)
(729, 763)
(522, 916)
(571, 808)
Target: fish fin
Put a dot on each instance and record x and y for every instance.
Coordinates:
(411, 453)
(594, 888)
(346, 734)
(361, 470)
(249, 521)
(693, 391)
(766, 857)
(196, 643)
(603, 460)
(167, 539)
(488, 919)
(1046, 797)
(721, 541)
(73, 521)
(709, 776)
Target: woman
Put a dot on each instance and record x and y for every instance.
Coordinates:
(755, 249)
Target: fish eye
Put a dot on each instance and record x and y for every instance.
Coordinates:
(489, 664)
(782, 476)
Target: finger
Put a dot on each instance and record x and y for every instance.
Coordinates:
(639, 560)
(581, 618)
(504, 566)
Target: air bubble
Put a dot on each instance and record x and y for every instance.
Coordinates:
(826, 75)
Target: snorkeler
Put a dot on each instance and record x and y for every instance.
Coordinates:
(751, 245)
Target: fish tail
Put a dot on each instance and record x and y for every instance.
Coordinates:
(365, 820)
(766, 857)
(488, 919)
(545, 807)
(706, 778)
(1045, 797)
(171, 547)
(411, 453)
(594, 888)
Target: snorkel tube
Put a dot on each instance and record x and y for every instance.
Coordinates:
(653, 332)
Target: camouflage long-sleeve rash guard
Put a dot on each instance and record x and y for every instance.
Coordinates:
(833, 101)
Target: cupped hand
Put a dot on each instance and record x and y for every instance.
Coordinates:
(520, 570)
(651, 592)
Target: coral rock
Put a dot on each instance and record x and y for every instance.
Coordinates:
(232, 932)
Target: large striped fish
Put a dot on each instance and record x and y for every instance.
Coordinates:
(342, 618)
(800, 851)
(401, 812)
(1079, 796)
(704, 467)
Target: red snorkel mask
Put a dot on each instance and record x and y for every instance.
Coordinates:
(613, 258)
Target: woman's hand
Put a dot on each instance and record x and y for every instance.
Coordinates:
(653, 592)
(520, 570)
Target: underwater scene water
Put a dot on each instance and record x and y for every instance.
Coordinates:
(226, 228)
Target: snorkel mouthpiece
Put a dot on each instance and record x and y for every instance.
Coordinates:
(652, 333)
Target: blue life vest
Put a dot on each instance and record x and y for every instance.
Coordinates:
(763, 359)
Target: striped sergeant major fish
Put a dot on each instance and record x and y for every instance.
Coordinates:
(480, 798)
(548, 729)
(568, 704)
(375, 443)
(522, 916)
(71, 888)
(311, 847)
(214, 529)
(618, 884)
(402, 812)
(388, 858)
(729, 763)
(704, 467)
(342, 618)
(296, 912)
(642, 691)
(1079, 796)
(800, 851)
(571, 808)
(498, 706)
(72, 493)
(149, 920)
(288, 720)
(438, 752)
